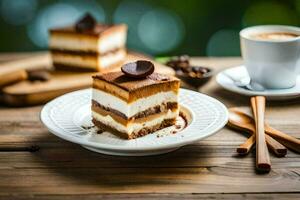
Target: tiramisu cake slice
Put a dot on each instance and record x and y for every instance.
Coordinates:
(87, 45)
(134, 102)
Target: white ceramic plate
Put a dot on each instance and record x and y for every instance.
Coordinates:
(241, 72)
(66, 116)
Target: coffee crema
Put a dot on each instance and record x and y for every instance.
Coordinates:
(275, 36)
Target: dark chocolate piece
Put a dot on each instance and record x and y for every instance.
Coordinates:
(38, 75)
(86, 23)
(138, 69)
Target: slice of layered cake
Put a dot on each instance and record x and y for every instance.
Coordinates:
(88, 46)
(134, 102)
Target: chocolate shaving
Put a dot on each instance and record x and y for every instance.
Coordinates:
(138, 69)
(87, 127)
(86, 23)
(159, 77)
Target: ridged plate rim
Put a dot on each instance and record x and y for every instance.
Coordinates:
(185, 96)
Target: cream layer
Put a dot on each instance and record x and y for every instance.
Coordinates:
(130, 109)
(133, 127)
(100, 45)
(89, 61)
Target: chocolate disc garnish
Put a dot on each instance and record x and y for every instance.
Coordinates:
(86, 23)
(138, 69)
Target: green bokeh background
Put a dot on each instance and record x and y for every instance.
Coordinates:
(209, 27)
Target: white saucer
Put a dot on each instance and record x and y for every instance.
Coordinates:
(65, 117)
(241, 72)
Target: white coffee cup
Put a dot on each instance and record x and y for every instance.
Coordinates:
(271, 63)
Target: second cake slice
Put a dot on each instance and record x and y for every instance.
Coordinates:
(95, 47)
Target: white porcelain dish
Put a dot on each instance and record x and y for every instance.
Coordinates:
(66, 116)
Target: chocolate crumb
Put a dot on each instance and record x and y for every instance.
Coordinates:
(87, 127)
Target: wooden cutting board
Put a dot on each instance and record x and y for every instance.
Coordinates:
(11, 72)
(25, 93)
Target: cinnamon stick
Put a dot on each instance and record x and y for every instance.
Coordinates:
(285, 139)
(245, 148)
(278, 149)
(263, 163)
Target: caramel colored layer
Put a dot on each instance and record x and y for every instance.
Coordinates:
(130, 89)
(88, 57)
(83, 53)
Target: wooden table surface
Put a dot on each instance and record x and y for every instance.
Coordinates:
(35, 164)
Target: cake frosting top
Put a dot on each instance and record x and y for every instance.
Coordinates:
(97, 30)
(130, 84)
(86, 25)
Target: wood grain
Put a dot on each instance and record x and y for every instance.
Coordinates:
(37, 165)
(161, 196)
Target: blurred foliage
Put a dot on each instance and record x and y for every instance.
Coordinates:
(206, 27)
